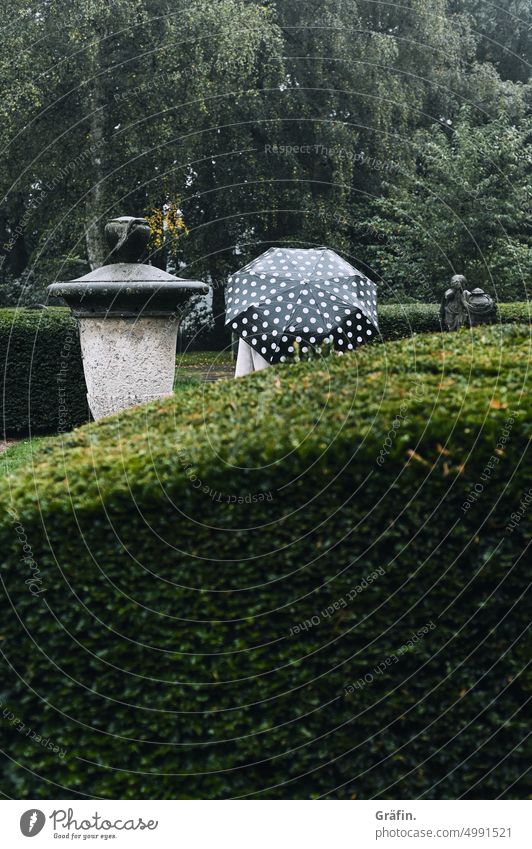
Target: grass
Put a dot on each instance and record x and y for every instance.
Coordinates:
(20, 454)
(204, 358)
(190, 364)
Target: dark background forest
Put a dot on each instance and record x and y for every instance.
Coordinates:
(396, 133)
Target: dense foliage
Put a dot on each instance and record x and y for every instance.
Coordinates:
(397, 134)
(348, 624)
(464, 208)
(43, 387)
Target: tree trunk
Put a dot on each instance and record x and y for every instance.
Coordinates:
(218, 308)
(95, 206)
(221, 334)
(94, 236)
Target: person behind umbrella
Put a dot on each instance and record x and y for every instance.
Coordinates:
(292, 299)
(248, 360)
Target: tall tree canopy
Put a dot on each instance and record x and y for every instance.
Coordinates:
(396, 133)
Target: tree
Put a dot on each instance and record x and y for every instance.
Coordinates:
(144, 105)
(503, 35)
(463, 209)
(264, 122)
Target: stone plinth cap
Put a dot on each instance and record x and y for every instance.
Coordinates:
(127, 289)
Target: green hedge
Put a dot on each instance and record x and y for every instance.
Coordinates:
(43, 388)
(397, 321)
(273, 587)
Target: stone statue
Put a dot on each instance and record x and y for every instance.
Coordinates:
(453, 310)
(480, 307)
(127, 238)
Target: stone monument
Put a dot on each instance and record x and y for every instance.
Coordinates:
(453, 311)
(460, 307)
(129, 314)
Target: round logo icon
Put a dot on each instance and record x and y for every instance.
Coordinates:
(32, 822)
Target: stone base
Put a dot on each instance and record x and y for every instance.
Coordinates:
(101, 407)
(127, 361)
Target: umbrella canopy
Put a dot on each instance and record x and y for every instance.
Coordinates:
(290, 295)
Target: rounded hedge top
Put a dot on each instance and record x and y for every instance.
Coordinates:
(260, 427)
(302, 583)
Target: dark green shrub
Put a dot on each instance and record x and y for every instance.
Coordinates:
(397, 321)
(515, 313)
(487, 237)
(43, 388)
(195, 621)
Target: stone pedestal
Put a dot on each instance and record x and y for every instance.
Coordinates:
(129, 314)
(127, 361)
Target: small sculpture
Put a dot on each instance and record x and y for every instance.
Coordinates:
(127, 238)
(480, 306)
(453, 310)
(460, 308)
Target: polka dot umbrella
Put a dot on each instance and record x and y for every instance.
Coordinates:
(290, 295)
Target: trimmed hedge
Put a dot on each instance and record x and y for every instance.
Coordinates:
(287, 586)
(397, 321)
(43, 387)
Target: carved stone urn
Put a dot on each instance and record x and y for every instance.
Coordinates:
(481, 308)
(128, 314)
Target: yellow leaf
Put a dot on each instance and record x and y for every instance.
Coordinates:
(415, 456)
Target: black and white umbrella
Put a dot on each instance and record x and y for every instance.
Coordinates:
(290, 295)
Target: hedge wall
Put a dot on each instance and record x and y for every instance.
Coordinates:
(42, 384)
(397, 321)
(292, 585)
(43, 388)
